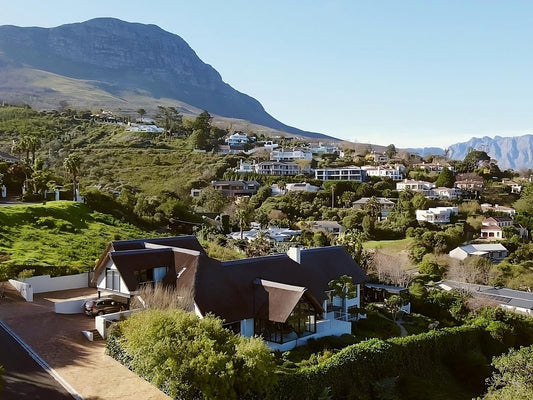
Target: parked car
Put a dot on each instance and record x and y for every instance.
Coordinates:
(104, 305)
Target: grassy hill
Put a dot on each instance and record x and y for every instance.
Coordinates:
(44, 90)
(57, 234)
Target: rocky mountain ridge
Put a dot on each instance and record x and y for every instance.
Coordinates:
(121, 59)
(511, 152)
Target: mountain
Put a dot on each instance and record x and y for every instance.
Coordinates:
(424, 151)
(106, 61)
(511, 152)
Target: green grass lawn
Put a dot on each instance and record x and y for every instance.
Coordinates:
(58, 234)
(390, 247)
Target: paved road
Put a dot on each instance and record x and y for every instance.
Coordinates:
(24, 378)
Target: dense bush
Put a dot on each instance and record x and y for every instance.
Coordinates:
(189, 358)
(353, 372)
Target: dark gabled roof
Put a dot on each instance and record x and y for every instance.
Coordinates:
(129, 261)
(325, 264)
(186, 242)
(258, 287)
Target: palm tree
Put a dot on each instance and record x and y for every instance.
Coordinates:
(72, 164)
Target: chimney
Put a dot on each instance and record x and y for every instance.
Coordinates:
(295, 253)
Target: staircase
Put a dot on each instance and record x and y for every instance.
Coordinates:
(96, 335)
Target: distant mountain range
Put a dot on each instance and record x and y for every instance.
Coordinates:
(511, 152)
(109, 63)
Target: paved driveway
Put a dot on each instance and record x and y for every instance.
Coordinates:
(58, 340)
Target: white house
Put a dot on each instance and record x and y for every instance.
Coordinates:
(301, 187)
(436, 215)
(492, 228)
(284, 298)
(495, 252)
(433, 167)
(415, 186)
(245, 167)
(322, 148)
(238, 138)
(445, 193)
(290, 155)
(279, 168)
(275, 234)
(385, 171)
(351, 173)
(485, 207)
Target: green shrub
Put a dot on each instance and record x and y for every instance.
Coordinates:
(188, 357)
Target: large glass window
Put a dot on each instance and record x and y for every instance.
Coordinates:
(112, 280)
(301, 322)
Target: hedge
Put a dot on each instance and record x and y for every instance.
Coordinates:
(353, 372)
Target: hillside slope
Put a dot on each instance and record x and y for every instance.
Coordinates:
(118, 60)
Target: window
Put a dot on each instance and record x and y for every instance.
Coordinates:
(112, 279)
(301, 322)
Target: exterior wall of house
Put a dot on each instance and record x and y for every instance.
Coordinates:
(290, 155)
(458, 253)
(101, 281)
(277, 168)
(324, 328)
(340, 174)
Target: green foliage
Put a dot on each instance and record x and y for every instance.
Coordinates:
(57, 234)
(187, 356)
(513, 378)
(352, 372)
(446, 179)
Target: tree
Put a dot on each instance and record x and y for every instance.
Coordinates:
(343, 288)
(394, 304)
(169, 118)
(513, 378)
(472, 161)
(72, 164)
(390, 151)
(446, 178)
(211, 200)
(141, 112)
(203, 122)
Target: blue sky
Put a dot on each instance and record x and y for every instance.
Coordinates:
(412, 73)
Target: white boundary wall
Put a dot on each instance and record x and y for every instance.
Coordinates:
(69, 306)
(24, 289)
(45, 283)
(100, 320)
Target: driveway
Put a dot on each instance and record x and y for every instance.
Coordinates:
(57, 339)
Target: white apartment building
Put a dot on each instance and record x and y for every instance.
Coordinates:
(290, 155)
(351, 173)
(278, 168)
